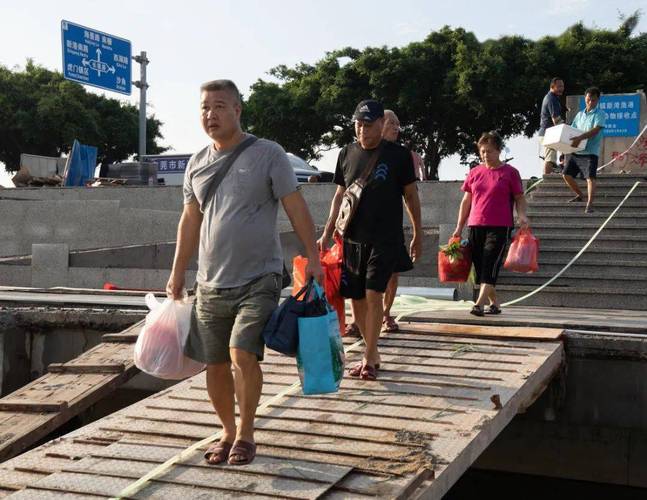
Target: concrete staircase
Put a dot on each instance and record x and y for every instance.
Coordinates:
(612, 273)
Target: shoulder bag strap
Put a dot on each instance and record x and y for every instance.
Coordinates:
(371, 164)
(224, 169)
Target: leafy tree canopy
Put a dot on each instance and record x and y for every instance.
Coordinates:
(446, 89)
(42, 113)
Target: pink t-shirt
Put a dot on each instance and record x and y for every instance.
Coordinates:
(493, 192)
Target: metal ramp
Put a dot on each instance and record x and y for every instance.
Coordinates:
(443, 395)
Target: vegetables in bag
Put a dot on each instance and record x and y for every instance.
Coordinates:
(454, 261)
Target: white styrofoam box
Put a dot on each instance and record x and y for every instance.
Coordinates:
(560, 136)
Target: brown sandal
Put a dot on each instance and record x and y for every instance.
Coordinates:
(217, 453)
(356, 371)
(242, 453)
(352, 330)
(368, 373)
(389, 325)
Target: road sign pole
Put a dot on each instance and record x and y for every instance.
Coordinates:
(142, 86)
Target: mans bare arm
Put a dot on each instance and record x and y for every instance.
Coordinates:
(299, 214)
(412, 204)
(575, 142)
(324, 241)
(188, 238)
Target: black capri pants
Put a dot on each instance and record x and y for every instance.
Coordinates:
(488, 251)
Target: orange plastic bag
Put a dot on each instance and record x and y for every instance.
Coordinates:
(524, 252)
(454, 261)
(331, 261)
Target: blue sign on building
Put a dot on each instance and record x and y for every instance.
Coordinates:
(623, 114)
(96, 58)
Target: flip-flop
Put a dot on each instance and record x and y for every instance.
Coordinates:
(352, 330)
(493, 309)
(477, 311)
(220, 450)
(368, 373)
(244, 450)
(356, 371)
(390, 325)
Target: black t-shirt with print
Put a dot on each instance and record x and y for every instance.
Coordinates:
(379, 214)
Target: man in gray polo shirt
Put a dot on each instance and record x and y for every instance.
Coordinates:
(239, 261)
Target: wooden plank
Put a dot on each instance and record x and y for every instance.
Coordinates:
(267, 465)
(484, 331)
(228, 480)
(613, 320)
(85, 368)
(431, 407)
(27, 405)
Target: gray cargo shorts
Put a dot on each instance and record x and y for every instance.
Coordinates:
(225, 318)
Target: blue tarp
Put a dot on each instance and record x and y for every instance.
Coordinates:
(82, 163)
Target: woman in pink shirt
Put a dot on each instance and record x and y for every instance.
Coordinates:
(491, 189)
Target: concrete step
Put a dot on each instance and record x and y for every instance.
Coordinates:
(575, 277)
(578, 216)
(565, 253)
(573, 296)
(602, 208)
(604, 241)
(604, 266)
(632, 202)
(609, 178)
(618, 229)
(610, 192)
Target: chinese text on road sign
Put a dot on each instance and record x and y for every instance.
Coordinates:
(95, 58)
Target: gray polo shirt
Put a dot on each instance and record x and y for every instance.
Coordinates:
(238, 238)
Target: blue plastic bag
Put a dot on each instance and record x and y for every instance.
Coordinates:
(320, 353)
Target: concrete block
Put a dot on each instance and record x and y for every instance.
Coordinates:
(49, 265)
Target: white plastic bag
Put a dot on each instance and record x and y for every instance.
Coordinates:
(159, 350)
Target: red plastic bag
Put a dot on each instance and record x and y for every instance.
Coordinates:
(523, 253)
(159, 350)
(331, 261)
(454, 261)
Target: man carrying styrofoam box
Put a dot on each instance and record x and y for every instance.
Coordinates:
(585, 162)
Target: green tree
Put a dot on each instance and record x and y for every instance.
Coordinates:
(42, 113)
(446, 89)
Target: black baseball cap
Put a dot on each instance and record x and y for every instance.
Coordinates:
(368, 110)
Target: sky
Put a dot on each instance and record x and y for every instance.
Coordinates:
(193, 41)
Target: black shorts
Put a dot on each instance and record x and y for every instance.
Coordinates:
(368, 267)
(488, 250)
(585, 166)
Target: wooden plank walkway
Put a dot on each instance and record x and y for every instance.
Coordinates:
(40, 407)
(603, 320)
(440, 400)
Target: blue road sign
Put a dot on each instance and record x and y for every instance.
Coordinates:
(622, 112)
(95, 58)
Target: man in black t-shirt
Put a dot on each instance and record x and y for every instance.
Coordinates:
(373, 243)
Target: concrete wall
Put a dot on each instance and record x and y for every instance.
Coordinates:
(142, 220)
(157, 198)
(591, 423)
(80, 224)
